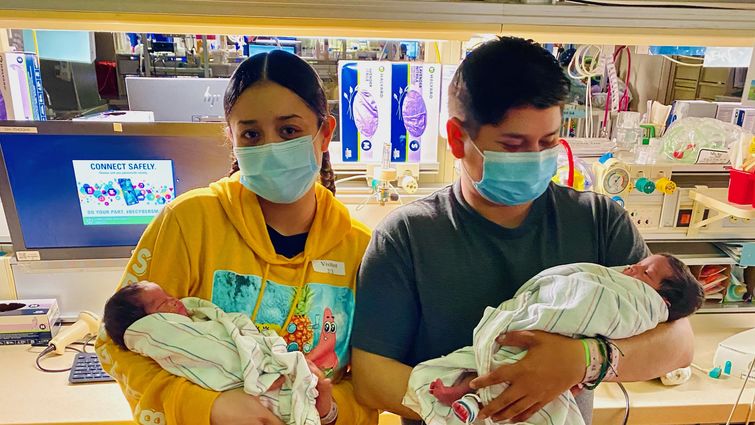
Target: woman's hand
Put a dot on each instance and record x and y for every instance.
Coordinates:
(552, 365)
(235, 407)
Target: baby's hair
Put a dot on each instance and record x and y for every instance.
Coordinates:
(121, 311)
(682, 290)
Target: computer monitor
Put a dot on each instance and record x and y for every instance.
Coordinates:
(254, 49)
(80, 190)
(178, 99)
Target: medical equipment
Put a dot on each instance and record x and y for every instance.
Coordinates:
(87, 325)
(700, 141)
(738, 349)
(572, 171)
(588, 62)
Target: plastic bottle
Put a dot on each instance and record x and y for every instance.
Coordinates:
(647, 151)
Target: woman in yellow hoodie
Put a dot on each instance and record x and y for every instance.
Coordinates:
(267, 241)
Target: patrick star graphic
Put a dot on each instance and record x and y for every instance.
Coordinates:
(324, 354)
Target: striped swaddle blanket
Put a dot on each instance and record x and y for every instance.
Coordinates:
(221, 351)
(572, 300)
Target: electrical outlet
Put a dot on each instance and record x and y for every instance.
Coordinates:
(645, 217)
(736, 222)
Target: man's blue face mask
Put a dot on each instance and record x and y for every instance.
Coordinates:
(515, 178)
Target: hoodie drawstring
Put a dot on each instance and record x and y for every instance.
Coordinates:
(262, 291)
(299, 290)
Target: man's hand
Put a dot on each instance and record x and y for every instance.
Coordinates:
(553, 364)
(235, 407)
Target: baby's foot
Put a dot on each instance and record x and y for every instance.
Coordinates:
(448, 395)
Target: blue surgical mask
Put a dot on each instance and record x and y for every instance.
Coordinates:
(515, 178)
(279, 172)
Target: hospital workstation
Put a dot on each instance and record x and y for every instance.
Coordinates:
(108, 113)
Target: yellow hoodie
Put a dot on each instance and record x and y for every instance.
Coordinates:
(213, 243)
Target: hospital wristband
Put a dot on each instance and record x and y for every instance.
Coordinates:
(593, 359)
(331, 416)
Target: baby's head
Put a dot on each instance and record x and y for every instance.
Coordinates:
(132, 302)
(673, 280)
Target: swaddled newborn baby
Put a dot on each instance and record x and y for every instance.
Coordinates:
(576, 300)
(195, 339)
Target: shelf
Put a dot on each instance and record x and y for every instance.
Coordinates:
(714, 199)
(696, 254)
(717, 307)
(428, 19)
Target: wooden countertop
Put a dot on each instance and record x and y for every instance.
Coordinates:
(28, 396)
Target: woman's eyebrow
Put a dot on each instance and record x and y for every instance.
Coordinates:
(287, 117)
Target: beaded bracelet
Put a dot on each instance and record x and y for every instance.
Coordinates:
(604, 365)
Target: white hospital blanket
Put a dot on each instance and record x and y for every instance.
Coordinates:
(220, 351)
(573, 300)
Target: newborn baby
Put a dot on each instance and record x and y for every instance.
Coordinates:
(558, 300)
(195, 339)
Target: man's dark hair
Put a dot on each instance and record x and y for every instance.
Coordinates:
(682, 290)
(121, 311)
(502, 74)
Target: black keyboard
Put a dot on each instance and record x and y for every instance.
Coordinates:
(87, 368)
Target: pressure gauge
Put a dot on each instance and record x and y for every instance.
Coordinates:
(615, 181)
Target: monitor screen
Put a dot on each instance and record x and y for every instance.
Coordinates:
(263, 48)
(90, 195)
(178, 99)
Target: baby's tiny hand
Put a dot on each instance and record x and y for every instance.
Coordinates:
(324, 389)
(325, 398)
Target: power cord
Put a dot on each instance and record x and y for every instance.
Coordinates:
(50, 349)
(742, 390)
(626, 400)
(693, 65)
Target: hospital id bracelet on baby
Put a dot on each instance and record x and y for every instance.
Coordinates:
(331, 416)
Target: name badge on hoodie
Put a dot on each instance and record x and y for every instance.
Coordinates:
(337, 268)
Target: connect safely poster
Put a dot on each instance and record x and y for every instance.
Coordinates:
(123, 192)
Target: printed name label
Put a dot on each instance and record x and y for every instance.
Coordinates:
(330, 267)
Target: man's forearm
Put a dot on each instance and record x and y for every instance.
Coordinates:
(380, 382)
(658, 351)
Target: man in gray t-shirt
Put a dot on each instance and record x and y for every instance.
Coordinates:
(434, 265)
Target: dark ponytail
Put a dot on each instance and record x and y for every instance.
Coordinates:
(293, 73)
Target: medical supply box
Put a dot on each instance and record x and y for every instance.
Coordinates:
(28, 321)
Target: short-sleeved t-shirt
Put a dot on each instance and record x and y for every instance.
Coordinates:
(434, 265)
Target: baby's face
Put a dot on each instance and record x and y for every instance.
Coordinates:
(652, 270)
(155, 300)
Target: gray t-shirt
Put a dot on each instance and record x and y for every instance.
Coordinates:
(434, 265)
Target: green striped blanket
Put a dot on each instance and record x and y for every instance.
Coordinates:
(221, 351)
(573, 300)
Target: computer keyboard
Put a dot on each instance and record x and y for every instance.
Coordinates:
(87, 368)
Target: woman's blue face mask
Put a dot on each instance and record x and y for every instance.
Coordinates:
(280, 172)
(515, 178)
